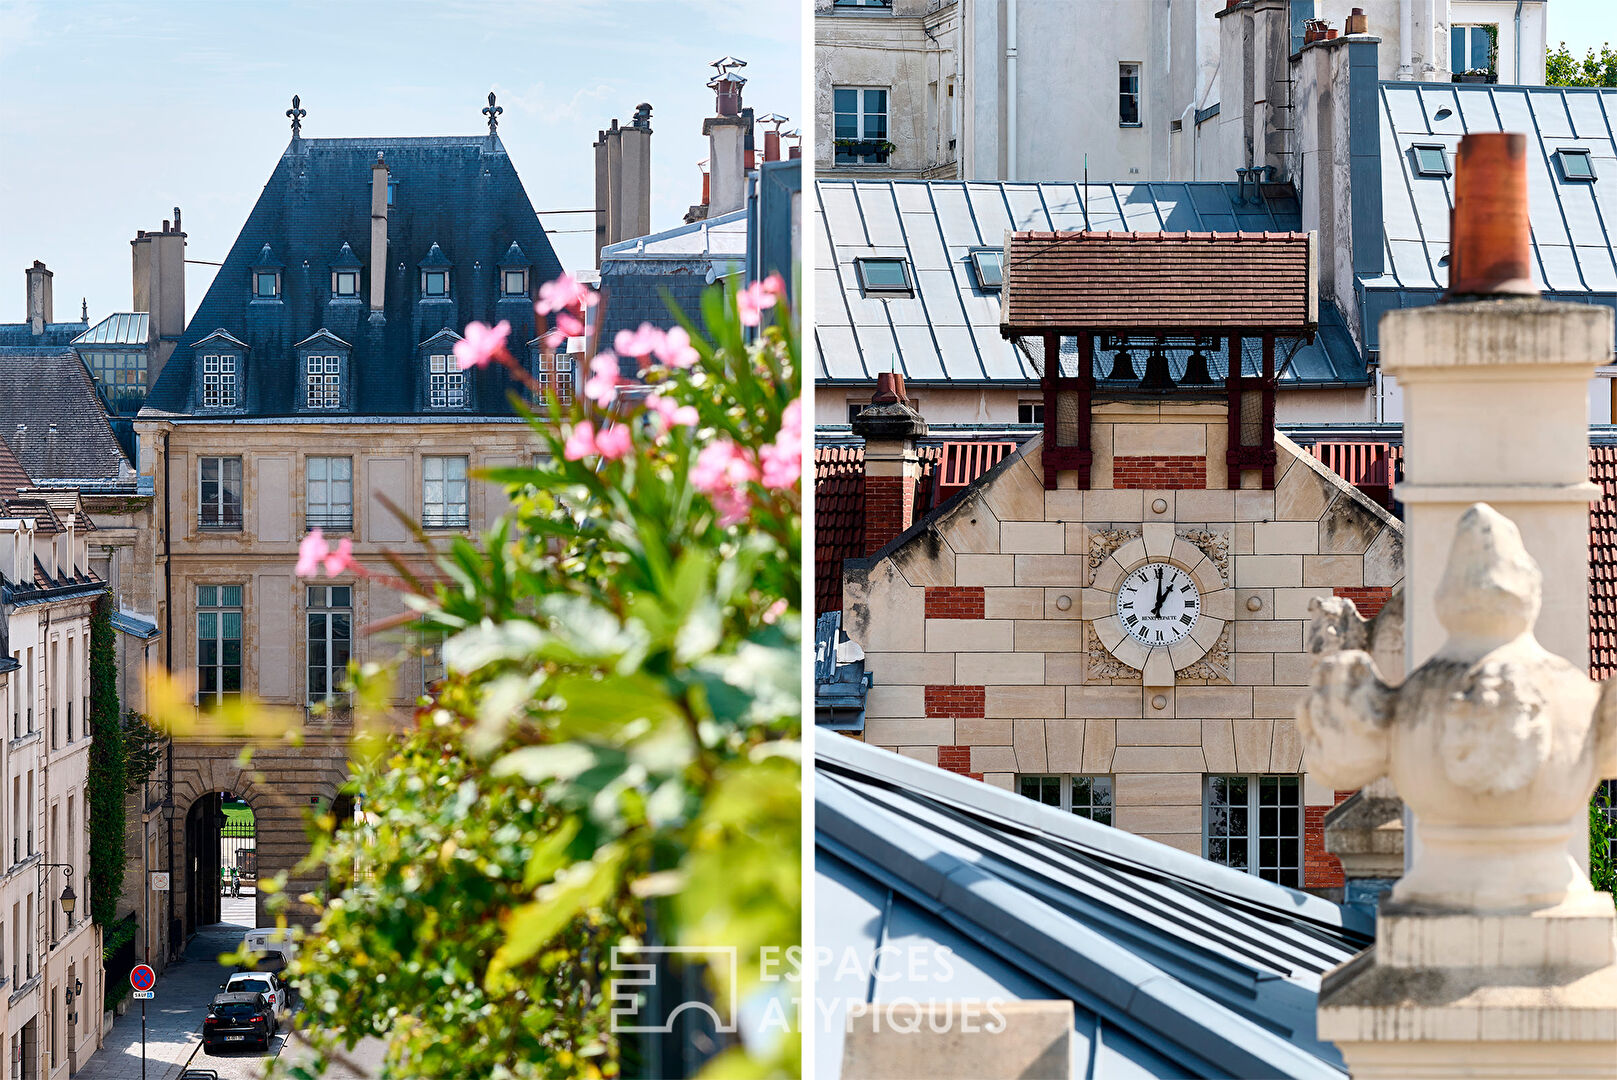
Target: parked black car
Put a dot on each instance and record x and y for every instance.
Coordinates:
(238, 1020)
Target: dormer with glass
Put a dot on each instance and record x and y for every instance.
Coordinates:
(323, 364)
(266, 277)
(436, 275)
(446, 387)
(515, 272)
(221, 369)
(345, 270)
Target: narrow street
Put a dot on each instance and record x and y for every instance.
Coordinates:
(174, 1018)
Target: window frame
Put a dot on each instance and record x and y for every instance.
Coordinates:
(861, 116)
(1126, 97)
(323, 389)
(443, 366)
(336, 283)
(221, 520)
(259, 274)
(1421, 168)
(119, 374)
(219, 607)
(1470, 31)
(1565, 154)
(1035, 410)
(445, 518)
(327, 612)
(978, 256)
(226, 370)
(506, 293)
(1066, 782)
(430, 272)
(865, 286)
(1254, 828)
(331, 518)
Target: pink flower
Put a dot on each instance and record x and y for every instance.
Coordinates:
(722, 472)
(755, 298)
(565, 293)
(671, 413)
(642, 342)
(611, 443)
(615, 441)
(480, 344)
(775, 611)
(602, 385)
(676, 350)
(314, 553)
(569, 325)
(782, 460)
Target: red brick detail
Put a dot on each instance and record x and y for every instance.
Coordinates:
(955, 701)
(1344, 796)
(1159, 472)
(889, 506)
(954, 602)
(1369, 599)
(1321, 869)
(956, 759)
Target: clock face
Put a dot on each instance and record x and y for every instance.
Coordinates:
(1158, 604)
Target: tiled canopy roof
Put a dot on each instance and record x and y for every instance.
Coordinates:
(1071, 281)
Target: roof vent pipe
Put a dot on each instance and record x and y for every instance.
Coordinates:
(1491, 249)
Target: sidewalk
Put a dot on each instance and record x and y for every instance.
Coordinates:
(174, 1017)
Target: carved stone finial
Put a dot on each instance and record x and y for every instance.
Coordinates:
(493, 113)
(1495, 743)
(297, 114)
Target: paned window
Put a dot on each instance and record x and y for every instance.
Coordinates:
(1470, 48)
(219, 382)
(329, 494)
(514, 283)
(1431, 159)
(345, 283)
(1576, 163)
(121, 377)
(330, 618)
(1030, 412)
(435, 283)
(861, 125)
(989, 264)
(1087, 796)
(1128, 95)
(443, 492)
(555, 372)
(884, 275)
(218, 644)
(1255, 824)
(266, 284)
(324, 380)
(447, 383)
(219, 493)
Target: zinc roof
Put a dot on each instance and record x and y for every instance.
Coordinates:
(947, 332)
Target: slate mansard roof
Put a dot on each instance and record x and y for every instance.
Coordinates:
(948, 332)
(52, 418)
(1574, 221)
(1175, 966)
(460, 193)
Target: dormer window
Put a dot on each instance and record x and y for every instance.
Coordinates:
(446, 384)
(435, 269)
(219, 359)
(514, 283)
(323, 356)
(266, 285)
(345, 283)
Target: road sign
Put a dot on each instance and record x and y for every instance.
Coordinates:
(160, 883)
(142, 977)
(144, 995)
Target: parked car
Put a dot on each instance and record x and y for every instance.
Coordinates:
(270, 940)
(239, 1020)
(259, 981)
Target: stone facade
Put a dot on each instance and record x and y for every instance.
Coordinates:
(985, 624)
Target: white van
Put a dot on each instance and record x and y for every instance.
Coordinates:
(271, 940)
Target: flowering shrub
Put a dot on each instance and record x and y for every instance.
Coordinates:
(613, 753)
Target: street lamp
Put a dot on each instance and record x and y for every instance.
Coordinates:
(69, 898)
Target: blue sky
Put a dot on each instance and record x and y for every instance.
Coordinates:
(113, 113)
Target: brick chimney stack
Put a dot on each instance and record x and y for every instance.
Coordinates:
(40, 304)
(892, 465)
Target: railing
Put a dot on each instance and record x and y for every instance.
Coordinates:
(333, 521)
(228, 519)
(445, 519)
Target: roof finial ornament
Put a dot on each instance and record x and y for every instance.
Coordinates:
(84, 310)
(493, 113)
(297, 116)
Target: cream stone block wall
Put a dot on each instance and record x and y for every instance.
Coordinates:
(1053, 698)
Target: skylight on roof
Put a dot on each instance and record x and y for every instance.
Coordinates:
(889, 275)
(989, 263)
(1576, 163)
(1431, 159)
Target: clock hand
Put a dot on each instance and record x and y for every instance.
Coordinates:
(1162, 594)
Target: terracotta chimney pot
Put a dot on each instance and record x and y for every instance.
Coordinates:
(1490, 236)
